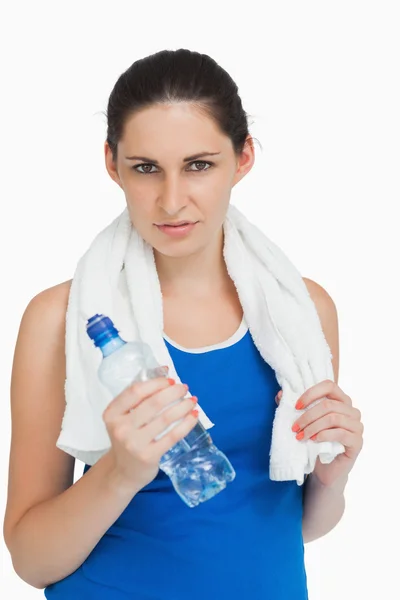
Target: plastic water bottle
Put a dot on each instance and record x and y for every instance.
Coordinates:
(197, 469)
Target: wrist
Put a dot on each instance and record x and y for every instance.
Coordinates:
(117, 482)
(336, 487)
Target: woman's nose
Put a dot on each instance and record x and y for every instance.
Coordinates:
(173, 197)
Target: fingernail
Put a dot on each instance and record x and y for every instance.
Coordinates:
(313, 437)
(300, 435)
(296, 427)
(194, 399)
(195, 412)
(171, 381)
(299, 405)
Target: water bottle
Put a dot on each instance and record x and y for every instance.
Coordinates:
(197, 469)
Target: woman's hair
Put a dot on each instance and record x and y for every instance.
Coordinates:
(177, 76)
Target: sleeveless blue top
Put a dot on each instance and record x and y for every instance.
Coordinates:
(246, 542)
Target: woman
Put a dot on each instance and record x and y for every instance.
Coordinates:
(177, 143)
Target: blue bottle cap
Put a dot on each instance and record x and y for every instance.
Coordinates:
(101, 329)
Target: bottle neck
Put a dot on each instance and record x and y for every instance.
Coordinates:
(112, 345)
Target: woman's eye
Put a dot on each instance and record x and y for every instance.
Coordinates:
(143, 165)
(201, 162)
(149, 172)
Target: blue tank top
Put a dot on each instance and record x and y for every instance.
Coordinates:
(244, 543)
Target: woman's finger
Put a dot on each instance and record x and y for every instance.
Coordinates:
(168, 416)
(330, 421)
(347, 438)
(176, 434)
(326, 388)
(147, 410)
(133, 396)
(326, 408)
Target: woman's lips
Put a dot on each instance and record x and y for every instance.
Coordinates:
(176, 230)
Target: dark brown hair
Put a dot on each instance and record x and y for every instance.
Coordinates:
(177, 76)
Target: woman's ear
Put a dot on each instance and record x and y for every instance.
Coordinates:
(110, 165)
(245, 161)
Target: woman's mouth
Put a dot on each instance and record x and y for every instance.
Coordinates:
(179, 230)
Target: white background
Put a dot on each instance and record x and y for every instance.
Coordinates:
(321, 82)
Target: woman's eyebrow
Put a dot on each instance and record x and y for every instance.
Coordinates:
(187, 159)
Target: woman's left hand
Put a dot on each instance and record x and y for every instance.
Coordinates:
(333, 419)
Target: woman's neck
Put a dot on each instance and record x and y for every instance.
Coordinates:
(199, 274)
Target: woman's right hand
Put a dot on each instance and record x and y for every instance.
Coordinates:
(134, 451)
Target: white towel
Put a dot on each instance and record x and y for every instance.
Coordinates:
(117, 277)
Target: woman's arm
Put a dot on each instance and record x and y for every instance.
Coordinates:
(51, 525)
(323, 506)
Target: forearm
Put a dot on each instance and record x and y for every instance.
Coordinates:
(54, 537)
(323, 507)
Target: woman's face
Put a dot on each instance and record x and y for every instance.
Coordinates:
(164, 183)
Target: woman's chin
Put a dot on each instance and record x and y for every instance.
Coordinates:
(175, 251)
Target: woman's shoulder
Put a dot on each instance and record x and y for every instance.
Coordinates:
(57, 292)
(53, 297)
(48, 308)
